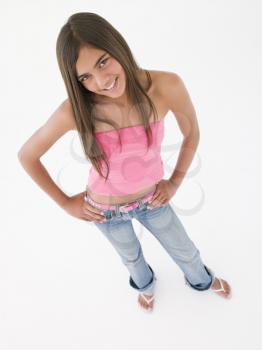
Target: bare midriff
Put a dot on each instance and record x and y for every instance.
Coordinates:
(120, 199)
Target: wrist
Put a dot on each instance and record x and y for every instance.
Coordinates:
(63, 203)
(173, 183)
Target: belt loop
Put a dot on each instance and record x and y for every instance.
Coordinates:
(117, 210)
(86, 194)
(140, 204)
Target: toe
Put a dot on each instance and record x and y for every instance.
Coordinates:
(227, 293)
(144, 304)
(227, 289)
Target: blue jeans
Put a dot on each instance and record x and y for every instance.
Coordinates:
(164, 224)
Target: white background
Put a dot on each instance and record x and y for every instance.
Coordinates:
(62, 286)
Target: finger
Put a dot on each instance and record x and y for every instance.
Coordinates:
(154, 204)
(92, 219)
(94, 216)
(155, 196)
(95, 212)
(157, 202)
(86, 219)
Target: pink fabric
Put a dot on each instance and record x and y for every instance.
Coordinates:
(133, 168)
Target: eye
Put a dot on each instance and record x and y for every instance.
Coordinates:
(102, 62)
(83, 79)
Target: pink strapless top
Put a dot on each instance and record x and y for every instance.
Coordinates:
(133, 168)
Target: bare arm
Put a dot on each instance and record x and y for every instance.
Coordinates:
(60, 122)
(179, 102)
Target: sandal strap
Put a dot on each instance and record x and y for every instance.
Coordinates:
(148, 301)
(222, 289)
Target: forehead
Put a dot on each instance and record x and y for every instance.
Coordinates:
(87, 58)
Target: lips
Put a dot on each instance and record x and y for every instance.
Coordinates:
(113, 84)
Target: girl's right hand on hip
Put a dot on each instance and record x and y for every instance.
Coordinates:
(77, 206)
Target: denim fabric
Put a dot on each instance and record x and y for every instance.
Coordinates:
(166, 227)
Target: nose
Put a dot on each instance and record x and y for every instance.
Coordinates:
(100, 82)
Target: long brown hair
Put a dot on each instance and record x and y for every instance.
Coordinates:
(89, 29)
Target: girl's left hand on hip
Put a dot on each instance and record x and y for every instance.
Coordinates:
(165, 190)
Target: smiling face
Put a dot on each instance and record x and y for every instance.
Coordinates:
(101, 73)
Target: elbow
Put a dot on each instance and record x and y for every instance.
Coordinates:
(21, 155)
(21, 152)
(196, 139)
(196, 136)
(26, 157)
(193, 138)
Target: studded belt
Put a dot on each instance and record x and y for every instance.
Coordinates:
(122, 207)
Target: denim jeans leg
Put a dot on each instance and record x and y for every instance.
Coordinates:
(149, 289)
(166, 227)
(202, 286)
(120, 233)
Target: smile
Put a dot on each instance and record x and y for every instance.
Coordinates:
(112, 86)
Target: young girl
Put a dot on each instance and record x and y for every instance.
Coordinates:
(118, 110)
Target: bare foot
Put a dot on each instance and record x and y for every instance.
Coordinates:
(148, 303)
(226, 293)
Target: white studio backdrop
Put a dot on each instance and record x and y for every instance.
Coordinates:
(62, 286)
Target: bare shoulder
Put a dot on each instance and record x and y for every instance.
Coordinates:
(172, 90)
(165, 81)
(166, 85)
